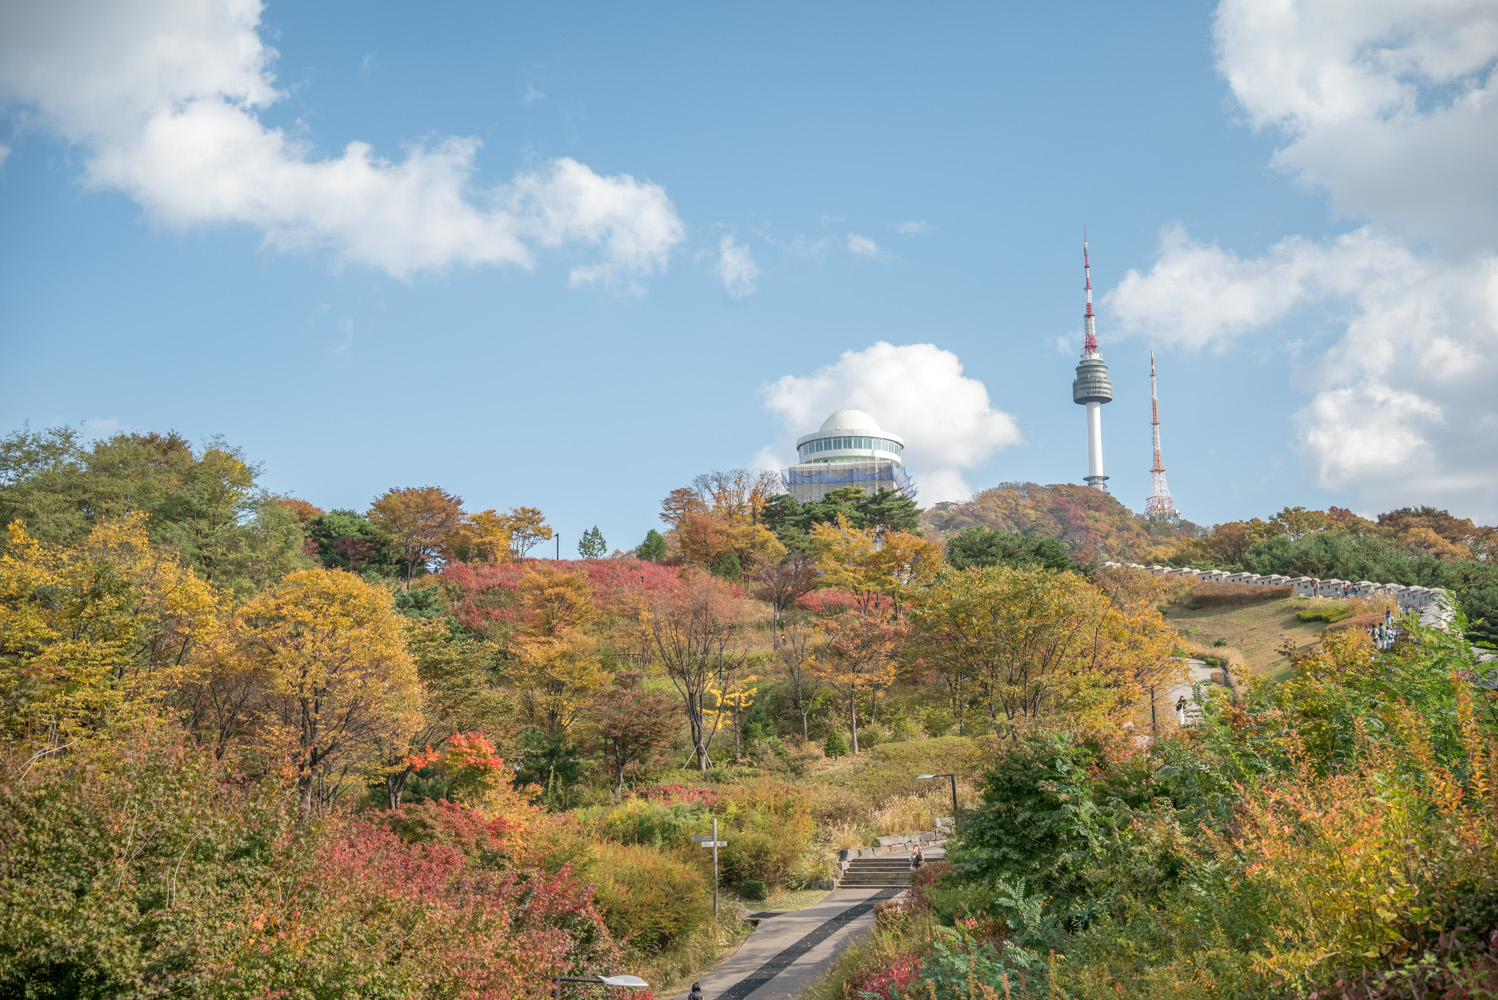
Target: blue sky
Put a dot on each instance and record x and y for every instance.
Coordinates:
(587, 253)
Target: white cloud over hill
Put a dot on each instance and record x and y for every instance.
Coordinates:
(164, 97)
(918, 391)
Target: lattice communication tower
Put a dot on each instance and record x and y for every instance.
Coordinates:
(1160, 506)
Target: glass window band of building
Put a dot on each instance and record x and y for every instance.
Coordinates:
(851, 443)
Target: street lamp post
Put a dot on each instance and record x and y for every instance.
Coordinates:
(626, 982)
(927, 777)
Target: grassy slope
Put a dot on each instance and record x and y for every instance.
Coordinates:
(1256, 630)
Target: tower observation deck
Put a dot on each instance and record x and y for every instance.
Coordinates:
(1092, 387)
(849, 449)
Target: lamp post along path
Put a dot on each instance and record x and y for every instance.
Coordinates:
(953, 778)
(625, 982)
(711, 840)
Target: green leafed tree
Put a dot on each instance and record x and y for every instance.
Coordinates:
(982, 547)
(592, 545)
(206, 504)
(653, 548)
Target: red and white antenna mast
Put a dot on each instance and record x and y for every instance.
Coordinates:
(1160, 506)
(1089, 340)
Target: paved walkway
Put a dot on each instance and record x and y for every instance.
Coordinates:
(788, 952)
(1200, 674)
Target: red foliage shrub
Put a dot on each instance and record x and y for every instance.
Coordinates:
(690, 794)
(827, 602)
(482, 594)
(1222, 595)
(474, 931)
(884, 981)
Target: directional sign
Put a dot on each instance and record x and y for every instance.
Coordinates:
(702, 836)
(715, 843)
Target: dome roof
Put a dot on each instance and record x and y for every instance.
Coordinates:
(850, 420)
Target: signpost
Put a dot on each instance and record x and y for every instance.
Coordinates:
(711, 840)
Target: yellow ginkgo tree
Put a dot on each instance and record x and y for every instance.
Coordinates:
(341, 677)
(95, 635)
(731, 702)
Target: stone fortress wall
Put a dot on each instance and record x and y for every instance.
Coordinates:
(1432, 604)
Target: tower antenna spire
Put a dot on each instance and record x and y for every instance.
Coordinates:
(1089, 323)
(1092, 387)
(1160, 506)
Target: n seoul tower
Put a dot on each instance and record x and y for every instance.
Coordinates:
(1092, 387)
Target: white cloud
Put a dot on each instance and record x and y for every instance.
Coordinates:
(862, 246)
(913, 227)
(532, 95)
(1198, 295)
(918, 391)
(4, 155)
(737, 268)
(1391, 106)
(165, 98)
(1400, 400)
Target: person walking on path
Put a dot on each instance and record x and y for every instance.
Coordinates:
(696, 993)
(916, 858)
(1181, 710)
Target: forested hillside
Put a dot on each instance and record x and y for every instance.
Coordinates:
(255, 748)
(1092, 524)
(1423, 546)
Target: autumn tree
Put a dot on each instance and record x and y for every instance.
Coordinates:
(342, 678)
(731, 703)
(717, 521)
(1134, 645)
(482, 537)
(95, 634)
(592, 545)
(454, 668)
(1037, 642)
(554, 657)
(694, 632)
(873, 566)
(782, 583)
(419, 521)
(527, 528)
(856, 654)
(633, 726)
(795, 654)
(679, 503)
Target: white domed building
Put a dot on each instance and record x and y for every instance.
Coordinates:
(848, 450)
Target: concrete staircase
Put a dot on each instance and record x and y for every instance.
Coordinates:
(877, 873)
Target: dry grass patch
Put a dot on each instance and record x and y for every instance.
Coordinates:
(1255, 631)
